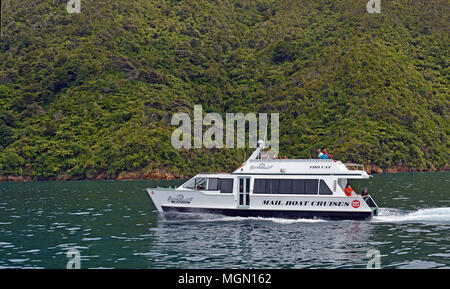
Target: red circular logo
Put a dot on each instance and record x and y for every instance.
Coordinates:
(355, 204)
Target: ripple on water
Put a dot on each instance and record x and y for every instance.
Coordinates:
(32, 251)
(91, 239)
(79, 213)
(420, 264)
(6, 245)
(18, 260)
(196, 258)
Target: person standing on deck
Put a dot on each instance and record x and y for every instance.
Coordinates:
(348, 190)
(326, 153)
(324, 156)
(319, 154)
(364, 193)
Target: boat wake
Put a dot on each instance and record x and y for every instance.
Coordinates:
(431, 215)
(392, 215)
(204, 217)
(274, 220)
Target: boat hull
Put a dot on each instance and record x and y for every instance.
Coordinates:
(286, 214)
(265, 206)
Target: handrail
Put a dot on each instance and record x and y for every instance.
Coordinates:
(213, 173)
(354, 167)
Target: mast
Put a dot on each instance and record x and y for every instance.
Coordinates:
(256, 154)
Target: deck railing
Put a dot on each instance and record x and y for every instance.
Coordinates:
(354, 167)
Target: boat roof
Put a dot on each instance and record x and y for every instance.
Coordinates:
(300, 167)
(293, 160)
(256, 165)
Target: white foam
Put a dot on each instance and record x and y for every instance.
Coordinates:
(435, 215)
(275, 220)
(439, 215)
(198, 217)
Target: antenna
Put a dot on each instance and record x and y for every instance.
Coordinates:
(265, 132)
(261, 143)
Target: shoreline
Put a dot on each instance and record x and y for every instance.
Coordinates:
(158, 175)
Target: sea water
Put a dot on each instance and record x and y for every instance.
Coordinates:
(113, 224)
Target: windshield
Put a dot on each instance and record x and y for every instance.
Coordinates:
(189, 184)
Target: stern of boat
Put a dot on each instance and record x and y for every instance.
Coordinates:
(372, 205)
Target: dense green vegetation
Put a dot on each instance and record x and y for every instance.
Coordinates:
(91, 94)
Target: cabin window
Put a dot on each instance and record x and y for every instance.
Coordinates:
(311, 186)
(286, 186)
(213, 184)
(210, 184)
(305, 187)
(226, 186)
(298, 186)
(273, 186)
(241, 191)
(324, 189)
(259, 186)
(200, 183)
(264, 186)
(190, 184)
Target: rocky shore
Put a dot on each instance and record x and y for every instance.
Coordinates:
(374, 169)
(165, 175)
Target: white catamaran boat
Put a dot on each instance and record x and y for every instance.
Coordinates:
(279, 188)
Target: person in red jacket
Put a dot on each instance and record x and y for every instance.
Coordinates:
(348, 190)
(326, 153)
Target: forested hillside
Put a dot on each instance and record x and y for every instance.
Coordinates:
(91, 95)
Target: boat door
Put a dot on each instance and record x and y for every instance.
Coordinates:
(243, 192)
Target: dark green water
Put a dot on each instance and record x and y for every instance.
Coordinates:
(115, 225)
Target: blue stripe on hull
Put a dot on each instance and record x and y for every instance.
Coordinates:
(327, 215)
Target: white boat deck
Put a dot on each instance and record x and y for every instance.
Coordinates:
(300, 167)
